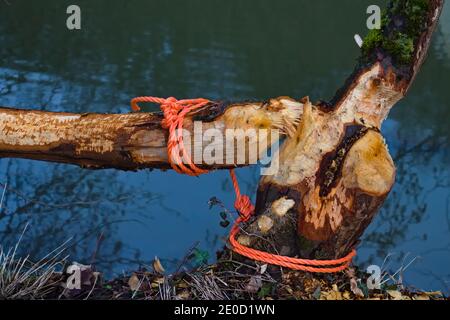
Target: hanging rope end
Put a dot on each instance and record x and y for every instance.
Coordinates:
(134, 105)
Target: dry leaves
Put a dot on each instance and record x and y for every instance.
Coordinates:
(254, 284)
(157, 282)
(334, 294)
(134, 283)
(355, 289)
(395, 295)
(157, 266)
(263, 269)
(183, 295)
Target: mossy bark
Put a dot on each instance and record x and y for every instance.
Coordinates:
(402, 25)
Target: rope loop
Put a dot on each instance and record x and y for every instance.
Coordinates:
(174, 113)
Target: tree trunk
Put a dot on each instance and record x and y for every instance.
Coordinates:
(335, 170)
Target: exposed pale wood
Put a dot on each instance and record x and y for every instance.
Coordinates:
(336, 168)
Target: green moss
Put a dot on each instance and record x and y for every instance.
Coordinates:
(415, 12)
(402, 47)
(373, 40)
(395, 38)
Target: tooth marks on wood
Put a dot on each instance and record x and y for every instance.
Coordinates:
(331, 166)
(367, 176)
(131, 141)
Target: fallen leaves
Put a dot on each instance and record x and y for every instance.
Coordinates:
(81, 277)
(183, 295)
(434, 294)
(334, 294)
(254, 284)
(355, 289)
(229, 280)
(399, 295)
(331, 295)
(263, 269)
(421, 297)
(395, 295)
(158, 282)
(157, 266)
(134, 283)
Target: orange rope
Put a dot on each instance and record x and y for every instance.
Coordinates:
(174, 113)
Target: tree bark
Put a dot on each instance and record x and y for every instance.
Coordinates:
(335, 170)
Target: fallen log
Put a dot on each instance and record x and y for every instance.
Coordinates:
(137, 140)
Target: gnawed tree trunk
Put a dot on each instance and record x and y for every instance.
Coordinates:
(335, 170)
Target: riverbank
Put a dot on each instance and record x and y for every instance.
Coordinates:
(226, 280)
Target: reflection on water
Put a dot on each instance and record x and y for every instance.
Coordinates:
(226, 50)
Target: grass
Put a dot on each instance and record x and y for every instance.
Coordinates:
(228, 279)
(21, 278)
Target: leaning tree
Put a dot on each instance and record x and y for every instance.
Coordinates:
(335, 170)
